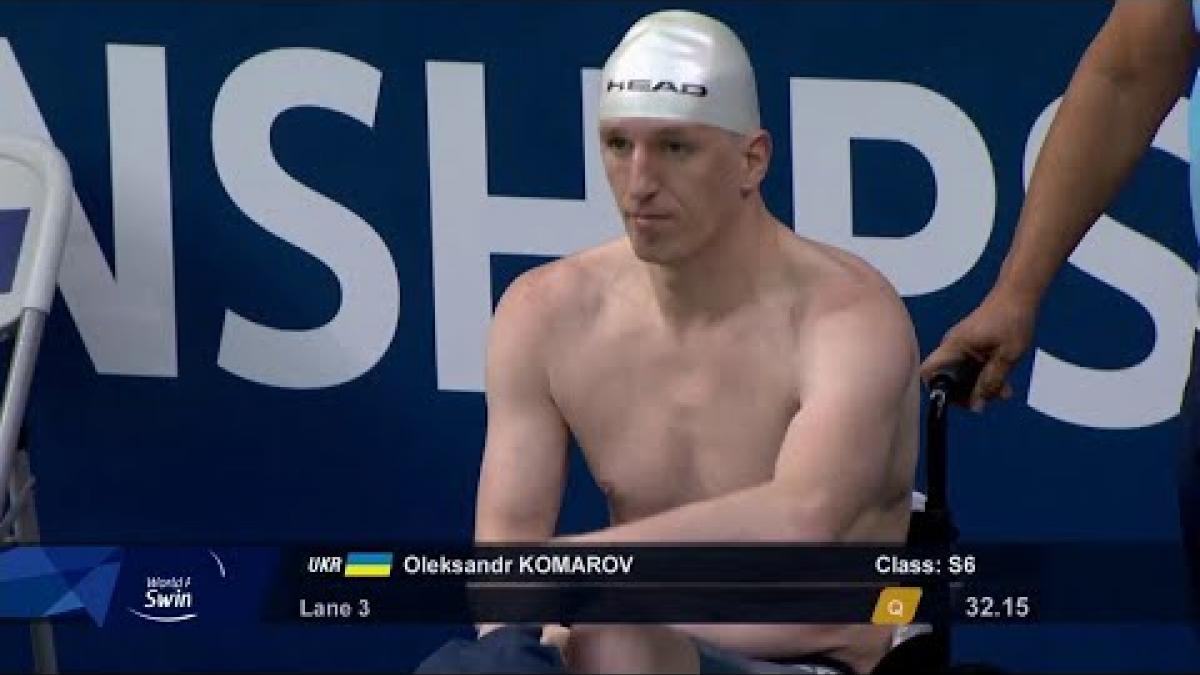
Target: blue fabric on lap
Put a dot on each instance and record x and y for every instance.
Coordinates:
(510, 649)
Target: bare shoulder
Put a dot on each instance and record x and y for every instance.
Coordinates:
(841, 282)
(536, 315)
(849, 306)
(561, 291)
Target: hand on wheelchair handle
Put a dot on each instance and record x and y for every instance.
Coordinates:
(994, 336)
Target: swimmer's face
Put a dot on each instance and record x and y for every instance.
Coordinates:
(676, 184)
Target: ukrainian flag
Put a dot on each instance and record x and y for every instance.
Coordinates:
(369, 565)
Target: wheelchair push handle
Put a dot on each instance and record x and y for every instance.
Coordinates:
(956, 381)
(951, 383)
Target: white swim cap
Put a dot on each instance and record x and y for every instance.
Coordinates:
(682, 66)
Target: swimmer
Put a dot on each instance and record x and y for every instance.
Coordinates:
(727, 379)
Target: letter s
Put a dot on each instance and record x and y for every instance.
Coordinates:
(355, 339)
(1155, 277)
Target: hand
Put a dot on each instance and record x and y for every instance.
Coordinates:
(996, 334)
(556, 635)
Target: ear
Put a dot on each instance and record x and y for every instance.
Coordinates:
(756, 155)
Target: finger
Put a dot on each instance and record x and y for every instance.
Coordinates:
(991, 382)
(948, 353)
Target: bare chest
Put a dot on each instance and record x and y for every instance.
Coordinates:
(662, 424)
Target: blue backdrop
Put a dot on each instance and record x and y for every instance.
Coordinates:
(148, 425)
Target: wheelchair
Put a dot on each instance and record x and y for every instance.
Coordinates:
(926, 648)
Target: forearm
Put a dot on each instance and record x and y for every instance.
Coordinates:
(797, 638)
(766, 512)
(498, 522)
(492, 530)
(1103, 127)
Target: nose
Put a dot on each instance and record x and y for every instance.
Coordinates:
(643, 175)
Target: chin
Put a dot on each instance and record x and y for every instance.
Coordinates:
(658, 255)
(650, 249)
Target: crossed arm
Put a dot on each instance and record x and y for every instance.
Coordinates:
(836, 455)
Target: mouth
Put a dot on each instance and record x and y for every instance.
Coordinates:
(645, 219)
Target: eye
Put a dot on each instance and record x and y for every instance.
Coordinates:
(677, 148)
(617, 143)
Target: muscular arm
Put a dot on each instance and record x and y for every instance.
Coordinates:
(524, 458)
(857, 380)
(1131, 75)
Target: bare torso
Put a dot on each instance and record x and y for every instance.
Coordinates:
(664, 421)
(666, 417)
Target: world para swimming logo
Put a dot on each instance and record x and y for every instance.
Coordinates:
(177, 595)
